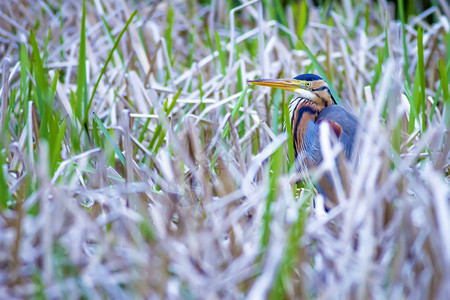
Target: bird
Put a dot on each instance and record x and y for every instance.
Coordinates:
(313, 104)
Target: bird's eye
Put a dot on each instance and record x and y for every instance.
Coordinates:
(308, 84)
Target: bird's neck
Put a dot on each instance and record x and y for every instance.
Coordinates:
(301, 112)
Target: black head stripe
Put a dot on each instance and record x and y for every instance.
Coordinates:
(332, 98)
(321, 89)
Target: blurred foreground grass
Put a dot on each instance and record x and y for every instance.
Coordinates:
(136, 163)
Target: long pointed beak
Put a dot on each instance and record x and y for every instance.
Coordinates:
(285, 84)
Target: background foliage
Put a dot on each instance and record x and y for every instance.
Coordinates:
(136, 162)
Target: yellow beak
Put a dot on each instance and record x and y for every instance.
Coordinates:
(285, 84)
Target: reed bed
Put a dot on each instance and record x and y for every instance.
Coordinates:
(136, 162)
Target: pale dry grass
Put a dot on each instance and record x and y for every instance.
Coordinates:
(188, 216)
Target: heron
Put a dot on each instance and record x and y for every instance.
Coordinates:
(313, 104)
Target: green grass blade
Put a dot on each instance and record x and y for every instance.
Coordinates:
(4, 191)
(445, 92)
(401, 11)
(159, 133)
(55, 149)
(414, 112)
(210, 44)
(42, 90)
(168, 34)
(417, 101)
(222, 57)
(88, 107)
(24, 81)
(81, 77)
(447, 37)
(302, 19)
(235, 111)
(144, 130)
(276, 166)
(421, 70)
(111, 37)
(276, 100)
(98, 141)
(290, 139)
(239, 83)
(61, 26)
(110, 139)
(270, 8)
(200, 88)
(367, 19)
(292, 254)
(38, 67)
(158, 145)
(155, 136)
(279, 8)
(174, 101)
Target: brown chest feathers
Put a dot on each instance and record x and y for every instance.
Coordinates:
(301, 112)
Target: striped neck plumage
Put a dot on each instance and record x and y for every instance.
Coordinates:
(301, 111)
(298, 102)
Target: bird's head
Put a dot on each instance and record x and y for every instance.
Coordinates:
(307, 86)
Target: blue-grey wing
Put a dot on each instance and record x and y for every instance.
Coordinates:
(312, 143)
(346, 120)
